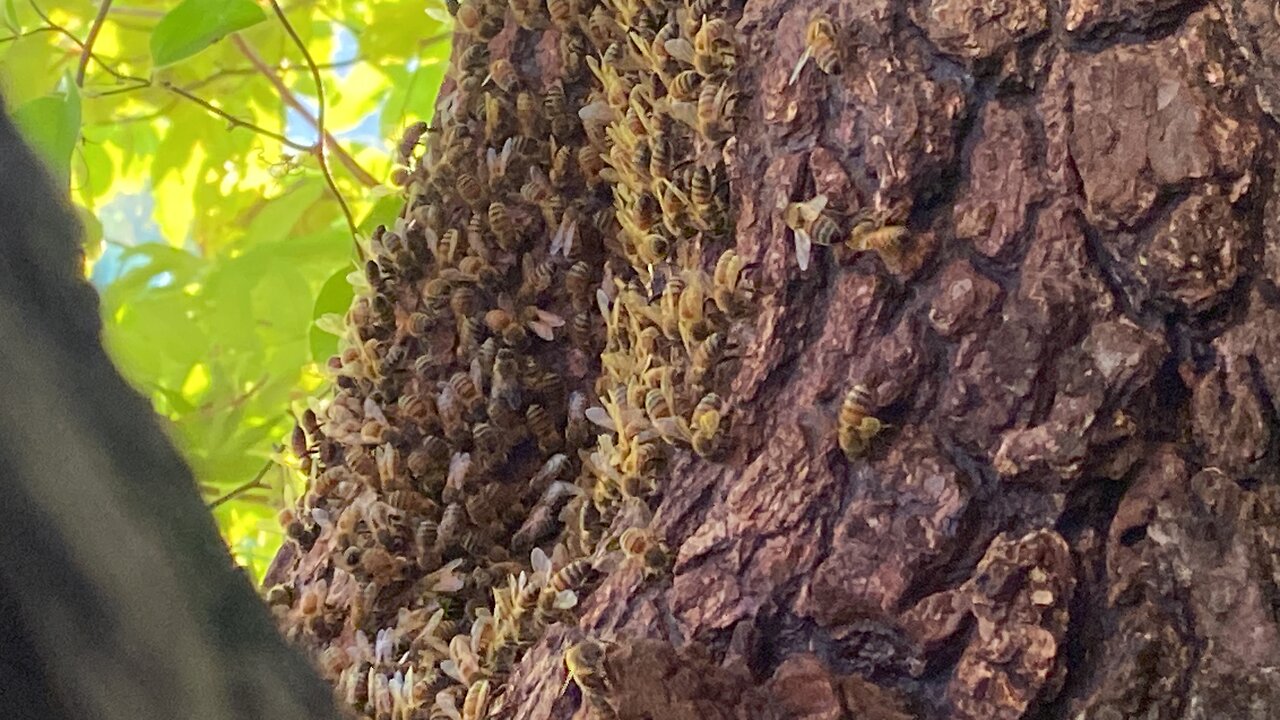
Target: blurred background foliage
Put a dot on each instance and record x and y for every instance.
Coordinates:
(187, 135)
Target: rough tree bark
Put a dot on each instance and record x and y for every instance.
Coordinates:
(1074, 509)
(117, 597)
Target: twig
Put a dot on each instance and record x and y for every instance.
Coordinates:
(245, 487)
(292, 101)
(235, 121)
(19, 36)
(322, 136)
(89, 39)
(85, 50)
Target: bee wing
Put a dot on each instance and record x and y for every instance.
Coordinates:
(450, 668)
(680, 49)
(804, 58)
(540, 562)
(446, 702)
(601, 417)
(543, 330)
(565, 599)
(804, 245)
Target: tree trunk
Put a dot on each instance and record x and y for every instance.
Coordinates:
(117, 597)
(1071, 509)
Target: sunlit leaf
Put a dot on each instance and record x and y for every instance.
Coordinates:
(92, 229)
(194, 25)
(334, 298)
(52, 125)
(11, 17)
(278, 216)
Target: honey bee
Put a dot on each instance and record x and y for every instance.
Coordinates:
(716, 104)
(820, 44)
(543, 520)
(562, 14)
(561, 163)
(641, 544)
(585, 666)
(543, 428)
(810, 225)
(476, 704)
(502, 226)
(684, 86)
(871, 232)
(857, 426)
(466, 392)
(465, 663)
(727, 291)
(528, 114)
(705, 424)
(572, 576)
(506, 378)
(572, 48)
(409, 142)
(503, 74)
(470, 189)
(474, 59)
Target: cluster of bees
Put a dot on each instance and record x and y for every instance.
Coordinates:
(547, 319)
(467, 481)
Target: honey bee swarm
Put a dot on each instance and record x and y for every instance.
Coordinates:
(543, 325)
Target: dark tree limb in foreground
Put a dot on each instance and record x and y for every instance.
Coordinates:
(117, 597)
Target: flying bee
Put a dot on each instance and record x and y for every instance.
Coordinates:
(503, 74)
(820, 44)
(543, 428)
(857, 426)
(705, 424)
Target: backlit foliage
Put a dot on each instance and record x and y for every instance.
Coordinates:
(216, 243)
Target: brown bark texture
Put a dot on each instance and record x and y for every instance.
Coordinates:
(118, 599)
(909, 360)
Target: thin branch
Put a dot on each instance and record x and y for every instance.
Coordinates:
(90, 39)
(33, 31)
(242, 488)
(292, 101)
(322, 136)
(86, 50)
(235, 121)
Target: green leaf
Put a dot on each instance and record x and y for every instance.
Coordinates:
(194, 25)
(92, 232)
(52, 125)
(11, 17)
(276, 219)
(334, 297)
